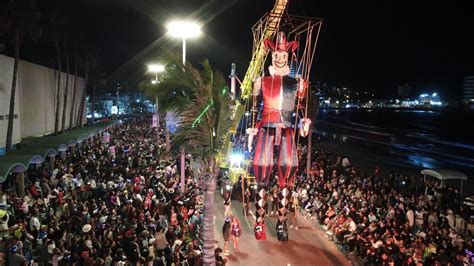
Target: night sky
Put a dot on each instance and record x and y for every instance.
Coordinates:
(365, 45)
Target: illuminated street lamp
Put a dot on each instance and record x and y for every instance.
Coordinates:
(184, 30)
(156, 69)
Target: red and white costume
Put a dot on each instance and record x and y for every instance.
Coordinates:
(276, 128)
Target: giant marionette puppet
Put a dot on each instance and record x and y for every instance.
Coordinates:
(275, 133)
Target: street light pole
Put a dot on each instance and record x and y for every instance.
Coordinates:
(184, 51)
(183, 30)
(157, 121)
(156, 69)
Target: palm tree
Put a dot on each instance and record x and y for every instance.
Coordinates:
(169, 100)
(66, 89)
(80, 110)
(19, 20)
(71, 114)
(58, 91)
(313, 108)
(91, 59)
(204, 121)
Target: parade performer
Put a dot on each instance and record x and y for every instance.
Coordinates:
(276, 128)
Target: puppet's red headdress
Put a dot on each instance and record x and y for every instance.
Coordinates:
(281, 44)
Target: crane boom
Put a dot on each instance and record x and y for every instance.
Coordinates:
(258, 57)
(271, 25)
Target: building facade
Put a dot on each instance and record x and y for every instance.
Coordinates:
(35, 100)
(469, 88)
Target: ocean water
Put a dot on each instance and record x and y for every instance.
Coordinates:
(424, 139)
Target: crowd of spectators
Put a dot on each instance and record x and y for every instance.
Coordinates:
(118, 202)
(385, 219)
(114, 202)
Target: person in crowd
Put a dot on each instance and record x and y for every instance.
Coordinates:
(236, 232)
(247, 194)
(14, 258)
(220, 261)
(227, 202)
(274, 199)
(294, 209)
(226, 235)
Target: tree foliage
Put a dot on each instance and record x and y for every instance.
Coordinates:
(201, 98)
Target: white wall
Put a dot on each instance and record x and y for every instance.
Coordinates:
(6, 75)
(35, 99)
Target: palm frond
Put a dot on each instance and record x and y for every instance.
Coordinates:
(194, 93)
(205, 138)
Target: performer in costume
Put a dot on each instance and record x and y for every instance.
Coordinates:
(276, 128)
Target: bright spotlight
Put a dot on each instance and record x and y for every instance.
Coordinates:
(228, 187)
(156, 68)
(184, 29)
(236, 159)
(434, 94)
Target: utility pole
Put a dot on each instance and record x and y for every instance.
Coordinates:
(157, 122)
(183, 166)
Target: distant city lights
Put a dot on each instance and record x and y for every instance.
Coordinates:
(431, 99)
(114, 110)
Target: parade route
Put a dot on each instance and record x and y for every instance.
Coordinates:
(306, 246)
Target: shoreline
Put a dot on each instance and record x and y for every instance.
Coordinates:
(365, 159)
(434, 109)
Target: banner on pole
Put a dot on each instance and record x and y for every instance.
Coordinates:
(112, 151)
(106, 137)
(155, 121)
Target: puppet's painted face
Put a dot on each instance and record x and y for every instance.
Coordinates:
(279, 59)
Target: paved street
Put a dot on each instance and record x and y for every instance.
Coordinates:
(306, 246)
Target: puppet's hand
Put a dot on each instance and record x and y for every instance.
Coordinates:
(302, 86)
(304, 129)
(257, 85)
(252, 132)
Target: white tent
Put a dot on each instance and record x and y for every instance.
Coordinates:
(445, 175)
